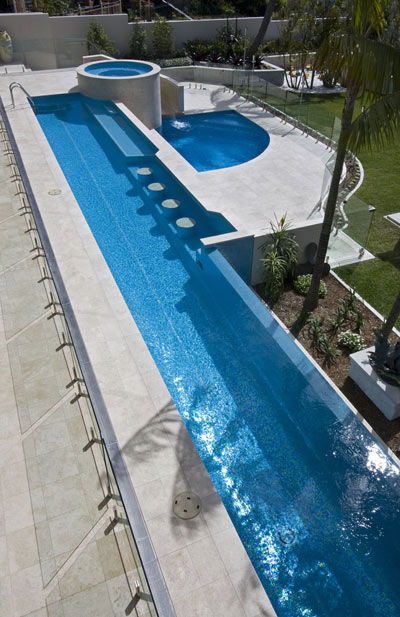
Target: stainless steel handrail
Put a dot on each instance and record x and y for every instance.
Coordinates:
(16, 84)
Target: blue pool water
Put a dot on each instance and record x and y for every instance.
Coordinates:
(215, 140)
(312, 495)
(118, 68)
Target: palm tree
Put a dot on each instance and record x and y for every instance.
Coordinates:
(263, 28)
(371, 70)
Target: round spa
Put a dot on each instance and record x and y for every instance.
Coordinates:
(135, 83)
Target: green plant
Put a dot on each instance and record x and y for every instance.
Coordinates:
(339, 320)
(98, 41)
(275, 270)
(169, 62)
(359, 321)
(138, 44)
(283, 243)
(351, 341)
(302, 285)
(330, 352)
(344, 308)
(163, 44)
(316, 330)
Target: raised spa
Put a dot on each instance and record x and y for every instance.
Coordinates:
(134, 83)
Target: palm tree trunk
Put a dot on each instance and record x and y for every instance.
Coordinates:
(311, 300)
(391, 320)
(263, 28)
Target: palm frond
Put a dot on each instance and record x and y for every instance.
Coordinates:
(378, 125)
(365, 64)
(368, 14)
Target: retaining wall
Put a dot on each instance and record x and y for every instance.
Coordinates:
(42, 42)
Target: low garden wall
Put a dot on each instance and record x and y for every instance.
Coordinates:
(223, 76)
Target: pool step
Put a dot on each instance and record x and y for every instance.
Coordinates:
(130, 142)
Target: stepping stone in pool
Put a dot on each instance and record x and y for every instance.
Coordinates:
(156, 190)
(144, 174)
(170, 207)
(185, 226)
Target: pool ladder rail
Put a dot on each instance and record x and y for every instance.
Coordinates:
(16, 84)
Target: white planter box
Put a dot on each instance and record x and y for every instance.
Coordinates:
(385, 396)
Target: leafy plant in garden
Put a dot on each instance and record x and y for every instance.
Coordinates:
(351, 341)
(275, 268)
(163, 43)
(316, 330)
(329, 350)
(98, 41)
(359, 321)
(302, 285)
(138, 44)
(338, 322)
(280, 257)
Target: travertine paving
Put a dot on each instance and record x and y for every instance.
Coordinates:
(60, 556)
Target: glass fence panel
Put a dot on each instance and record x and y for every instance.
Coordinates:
(359, 219)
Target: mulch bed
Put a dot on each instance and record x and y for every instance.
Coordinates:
(288, 307)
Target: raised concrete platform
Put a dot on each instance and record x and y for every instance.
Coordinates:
(385, 396)
(394, 218)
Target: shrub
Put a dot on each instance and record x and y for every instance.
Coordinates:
(330, 352)
(351, 341)
(338, 322)
(163, 44)
(275, 269)
(316, 330)
(280, 257)
(359, 321)
(138, 45)
(302, 285)
(169, 62)
(198, 49)
(98, 41)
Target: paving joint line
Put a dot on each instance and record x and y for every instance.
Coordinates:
(29, 325)
(53, 582)
(11, 216)
(15, 264)
(46, 415)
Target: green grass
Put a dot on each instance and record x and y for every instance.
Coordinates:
(378, 280)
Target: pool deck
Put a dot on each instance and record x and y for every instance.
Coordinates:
(205, 567)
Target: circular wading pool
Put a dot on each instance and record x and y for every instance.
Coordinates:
(134, 83)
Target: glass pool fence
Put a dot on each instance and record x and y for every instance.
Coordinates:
(354, 217)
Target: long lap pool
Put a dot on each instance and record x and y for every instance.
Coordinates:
(314, 498)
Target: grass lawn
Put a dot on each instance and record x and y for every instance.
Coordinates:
(378, 280)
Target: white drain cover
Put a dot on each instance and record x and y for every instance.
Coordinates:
(54, 192)
(187, 505)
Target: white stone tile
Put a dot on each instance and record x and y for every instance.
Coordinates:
(22, 549)
(231, 549)
(206, 560)
(18, 513)
(179, 573)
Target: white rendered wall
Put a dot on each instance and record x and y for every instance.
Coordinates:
(223, 76)
(43, 42)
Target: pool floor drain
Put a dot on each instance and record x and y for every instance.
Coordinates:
(287, 535)
(187, 505)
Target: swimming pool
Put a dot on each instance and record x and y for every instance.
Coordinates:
(215, 140)
(314, 498)
(118, 68)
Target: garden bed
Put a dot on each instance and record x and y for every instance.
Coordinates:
(288, 307)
